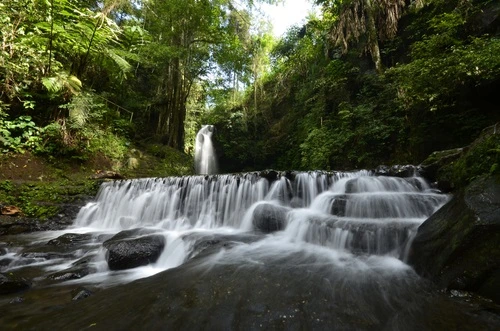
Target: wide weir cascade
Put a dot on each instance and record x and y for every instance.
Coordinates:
(273, 250)
(348, 211)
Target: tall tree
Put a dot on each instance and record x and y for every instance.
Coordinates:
(187, 35)
(372, 20)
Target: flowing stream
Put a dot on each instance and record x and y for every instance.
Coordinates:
(350, 214)
(346, 233)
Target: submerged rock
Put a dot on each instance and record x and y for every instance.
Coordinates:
(81, 293)
(208, 244)
(12, 284)
(459, 246)
(69, 239)
(75, 272)
(268, 217)
(133, 252)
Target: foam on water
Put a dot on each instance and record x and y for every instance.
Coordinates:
(351, 220)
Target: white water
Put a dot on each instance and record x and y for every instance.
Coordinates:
(204, 156)
(354, 218)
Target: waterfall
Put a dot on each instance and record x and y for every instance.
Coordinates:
(205, 158)
(257, 217)
(244, 251)
(352, 211)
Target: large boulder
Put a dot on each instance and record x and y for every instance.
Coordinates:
(268, 217)
(459, 246)
(126, 253)
(437, 160)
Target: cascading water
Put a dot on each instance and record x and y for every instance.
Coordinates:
(334, 240)
(353, 212)
(204, 156)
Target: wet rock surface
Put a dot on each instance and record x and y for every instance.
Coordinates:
(75, 272)
(208, 244)
(16, 225)
(278, 294)
(459, 246)
(12, 284)
(125, 253)
(406, 170)
(81, 293)
(269, 217)
(70, 239)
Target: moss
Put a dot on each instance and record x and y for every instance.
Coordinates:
(161, 161)
(41, 187)
(43, 200)
(481, 158)
(439, 156)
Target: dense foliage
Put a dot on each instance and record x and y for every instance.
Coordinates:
(329, 105)
(366, 82)
(80, 77)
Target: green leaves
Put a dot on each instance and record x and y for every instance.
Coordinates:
(62, 82)
(18, 135)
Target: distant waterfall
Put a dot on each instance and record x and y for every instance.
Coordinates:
(204, 156)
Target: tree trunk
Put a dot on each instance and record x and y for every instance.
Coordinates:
(373, 36)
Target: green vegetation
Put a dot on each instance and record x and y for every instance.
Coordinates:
(364, 83)
(331, 102)
(481, 158)
(43, 200)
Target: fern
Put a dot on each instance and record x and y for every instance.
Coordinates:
(62, 82)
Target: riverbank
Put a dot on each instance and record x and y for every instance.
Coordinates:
(42, 193)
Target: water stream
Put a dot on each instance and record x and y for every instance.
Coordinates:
(350, 229)
(340, 213)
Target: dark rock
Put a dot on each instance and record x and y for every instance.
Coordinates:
(437, 160)
(459, 246)
(397, 170)
(339, 206)
(76, 272)
(12, 284)
(11, 225)
(84, 260)
(81, 293)
(15, 225)
(5, 261)
(270, 175)
(131, 253)
(382, 170)
(17, 300)
(127, 234)
(208, 244)
(69, 239)
(407, 170)
(44, 255)
(269, 217)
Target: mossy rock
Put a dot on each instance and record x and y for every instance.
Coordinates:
(454, 169)
(458, 247)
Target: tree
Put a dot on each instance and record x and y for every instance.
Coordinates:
(190, 39)
(372, 20)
